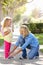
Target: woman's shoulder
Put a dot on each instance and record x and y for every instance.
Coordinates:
(31, 35)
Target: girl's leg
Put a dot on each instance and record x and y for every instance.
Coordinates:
(7, 46)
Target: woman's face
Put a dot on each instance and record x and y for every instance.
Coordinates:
(23, 32)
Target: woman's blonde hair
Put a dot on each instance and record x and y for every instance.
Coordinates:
(25, 27)
(5, 21)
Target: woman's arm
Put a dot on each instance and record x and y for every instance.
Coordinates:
(13, 50)
(16, 52)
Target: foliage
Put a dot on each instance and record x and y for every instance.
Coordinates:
(18, 12)
(16, 18)
(32, 27)
(35, 27)
(9, 5)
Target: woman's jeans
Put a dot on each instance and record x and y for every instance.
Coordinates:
(34, 51)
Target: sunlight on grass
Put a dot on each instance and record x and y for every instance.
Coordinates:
(40, 38)
(1, 37)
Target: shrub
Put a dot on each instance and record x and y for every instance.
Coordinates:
(35, 27)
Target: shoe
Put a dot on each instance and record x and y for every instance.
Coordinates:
(10, 57)
(36, 57)
(21, 58)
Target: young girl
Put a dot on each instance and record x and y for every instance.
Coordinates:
(7, 33)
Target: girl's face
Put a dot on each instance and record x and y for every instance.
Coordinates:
(9, 22)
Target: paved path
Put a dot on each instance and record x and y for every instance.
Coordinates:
(17, 61)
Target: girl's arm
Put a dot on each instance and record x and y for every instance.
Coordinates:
(7, 32)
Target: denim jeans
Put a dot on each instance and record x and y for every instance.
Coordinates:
(32, 53)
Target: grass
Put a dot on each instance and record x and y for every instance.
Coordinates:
(1, 39)
(1, 42)
(41, 50)
(40, 38)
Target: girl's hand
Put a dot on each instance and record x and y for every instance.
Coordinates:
(7, 32)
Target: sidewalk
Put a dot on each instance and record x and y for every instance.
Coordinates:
(17, 61)
(41, 46)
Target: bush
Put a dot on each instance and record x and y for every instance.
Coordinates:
(35, 27)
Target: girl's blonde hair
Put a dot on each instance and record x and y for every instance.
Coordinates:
(3, 23)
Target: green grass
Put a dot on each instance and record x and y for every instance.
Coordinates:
(1, 39)
(40, 38)
(41, 50)
(1, 42)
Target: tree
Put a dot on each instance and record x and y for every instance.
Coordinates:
(10, 5)
(18, 12)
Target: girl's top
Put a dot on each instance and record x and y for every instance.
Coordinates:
(8, 37)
